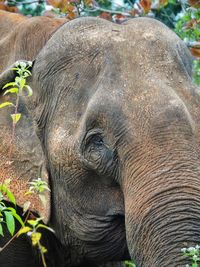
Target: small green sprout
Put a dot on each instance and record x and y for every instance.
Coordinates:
(8, 214)
(37, 186)
(18, 86)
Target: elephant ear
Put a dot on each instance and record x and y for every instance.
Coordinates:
(22, 161)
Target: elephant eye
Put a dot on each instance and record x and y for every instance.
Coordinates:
(94, 149)
(96, 140)
(97, 155)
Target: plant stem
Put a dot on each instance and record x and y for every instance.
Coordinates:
(13, 130)
(94, 9)
(42, 255)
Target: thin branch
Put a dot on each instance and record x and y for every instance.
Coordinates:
(42, 255)
(13, 130)
(130, 3)
(77, 8)
(27, 3)
(108, 11)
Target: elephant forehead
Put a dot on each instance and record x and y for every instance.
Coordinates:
(139, 39)
(88, 53)
(91, 60)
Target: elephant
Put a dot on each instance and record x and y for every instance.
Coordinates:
(117, 116)
(22, 159)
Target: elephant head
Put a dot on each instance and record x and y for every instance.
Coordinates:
(118, 120)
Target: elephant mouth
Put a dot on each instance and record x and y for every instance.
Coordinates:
(100, 238)
(110, 242)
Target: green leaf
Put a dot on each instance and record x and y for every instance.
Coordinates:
(5, 104)
(28, 72)
(9, 84)
(10, 222)
(30, 91)
(46, 188)
(22, 64)
(13, 90)
(23, 230)
(17, 80)
(1, 230)
(45, 227)
(15, 117)
(2, 206)
(32, 222)
(9, 194)
(17, 217)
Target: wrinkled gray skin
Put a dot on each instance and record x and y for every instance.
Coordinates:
(118, 118)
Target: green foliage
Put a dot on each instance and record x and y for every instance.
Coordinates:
(167, 13)
(197, 71)
(27, 7)
(8, 214)
(188, 28)
(129, 264)
(193, 253)
(32, 231)
(5, 104)
(38, 186)
(19, 84)
(17, 87)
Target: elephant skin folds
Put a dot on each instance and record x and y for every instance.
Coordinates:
(115, 127)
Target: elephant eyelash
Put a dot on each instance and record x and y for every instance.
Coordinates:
(95, 139)
(95, 136)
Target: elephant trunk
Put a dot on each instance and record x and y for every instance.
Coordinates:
(162, 211)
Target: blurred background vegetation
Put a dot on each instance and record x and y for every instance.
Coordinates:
(182, 16)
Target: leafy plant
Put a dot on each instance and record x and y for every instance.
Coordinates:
(27, 7)
(38, 186)
(188, 28)
(17, 87)
(193, 253)
(8, 214)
